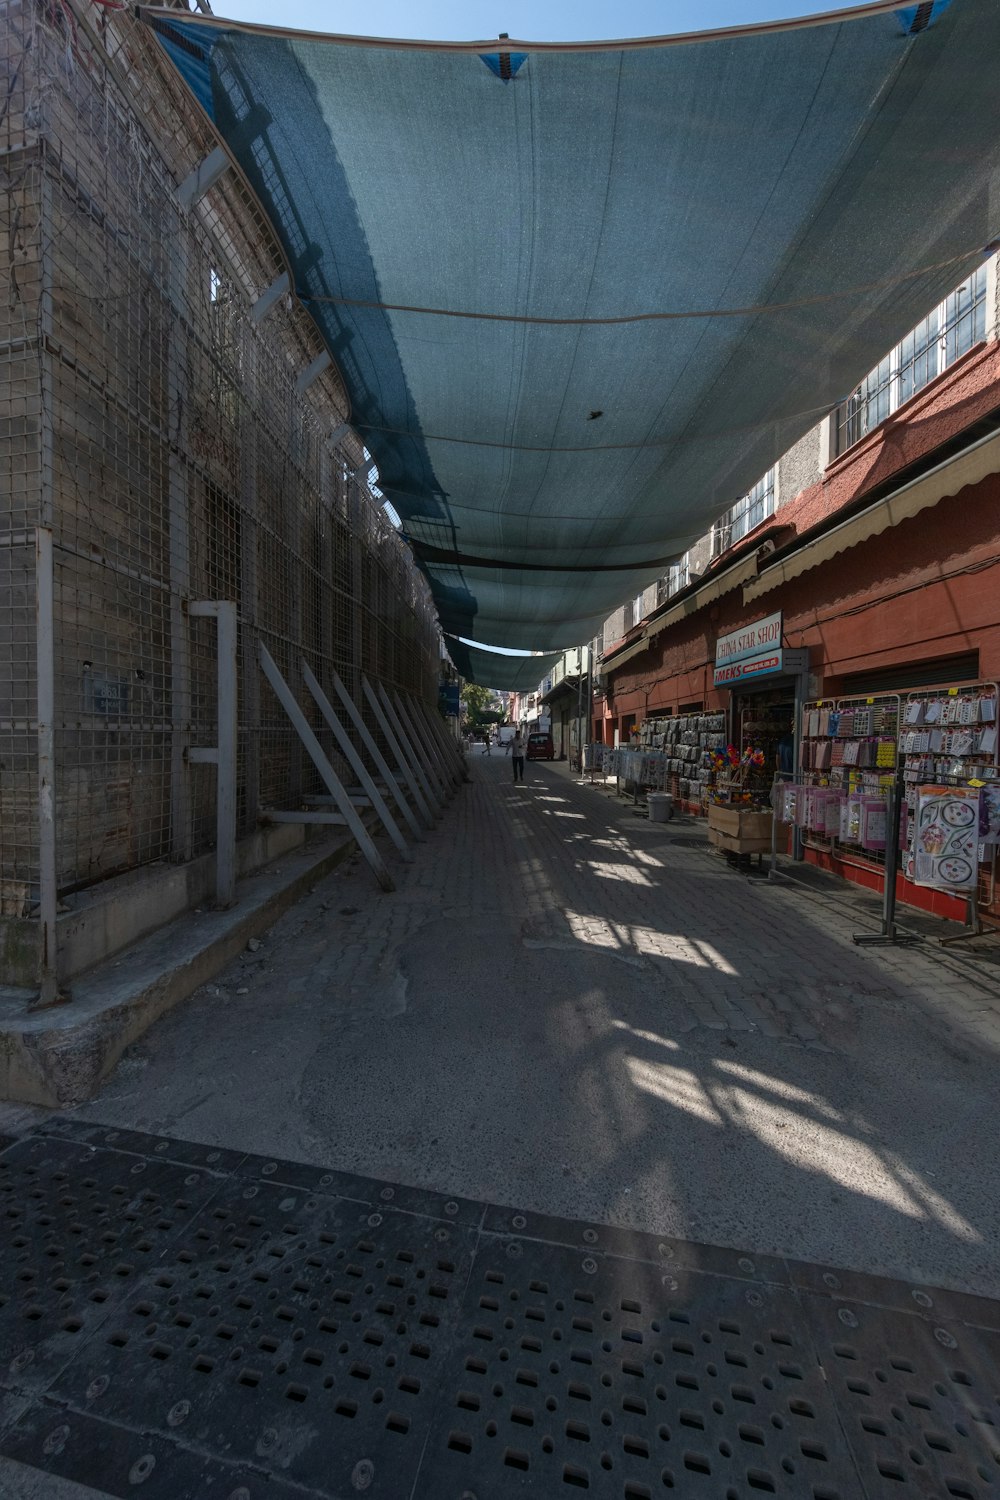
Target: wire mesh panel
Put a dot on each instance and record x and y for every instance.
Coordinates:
(18, 741)
(164, 434)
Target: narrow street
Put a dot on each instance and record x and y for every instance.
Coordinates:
(585, 1084)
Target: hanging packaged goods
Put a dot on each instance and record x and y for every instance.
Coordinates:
(943, 739)
(683, 747)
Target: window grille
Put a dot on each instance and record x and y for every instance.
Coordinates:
(748, 512)
(676, 578)
(937, 341)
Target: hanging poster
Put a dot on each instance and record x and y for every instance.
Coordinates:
(946, 837)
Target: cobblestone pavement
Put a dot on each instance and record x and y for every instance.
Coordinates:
(567, 1008)
(211, 1323)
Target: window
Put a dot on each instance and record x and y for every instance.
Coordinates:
(936, 342)
(632, 613)
(752, 508)
(676, 578)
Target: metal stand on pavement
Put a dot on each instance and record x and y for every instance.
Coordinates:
(976, 927)
(773, 873)
(889, 935)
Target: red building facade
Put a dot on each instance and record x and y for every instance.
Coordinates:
(886, 569)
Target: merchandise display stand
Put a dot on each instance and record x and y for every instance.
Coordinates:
(890, 936)
(684, 743)
(948, 736)
(976, 927)
(850, 746)
(780, 781)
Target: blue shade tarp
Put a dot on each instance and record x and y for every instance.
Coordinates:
(583, 297)
(511, 674)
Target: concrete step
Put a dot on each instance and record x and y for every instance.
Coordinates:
(59, 1057)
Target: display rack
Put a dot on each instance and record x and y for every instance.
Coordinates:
(948, 737)
(848, 755)
(850, 749)
(684, 744)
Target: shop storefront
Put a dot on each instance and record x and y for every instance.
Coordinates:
(881, 650)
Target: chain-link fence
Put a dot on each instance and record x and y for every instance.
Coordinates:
(161, 424)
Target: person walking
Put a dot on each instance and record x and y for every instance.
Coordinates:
(486, 741)
(517, 756)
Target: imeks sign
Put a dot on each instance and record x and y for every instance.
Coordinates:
(752, 651)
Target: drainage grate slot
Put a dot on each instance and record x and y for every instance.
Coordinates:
(758, 1479)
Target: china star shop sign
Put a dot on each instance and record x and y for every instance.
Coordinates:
(752, 651)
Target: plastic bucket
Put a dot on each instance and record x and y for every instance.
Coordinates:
(661, 807)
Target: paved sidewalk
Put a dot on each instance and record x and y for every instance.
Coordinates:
(568, 1008)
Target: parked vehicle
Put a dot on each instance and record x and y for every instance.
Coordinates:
(540, 747)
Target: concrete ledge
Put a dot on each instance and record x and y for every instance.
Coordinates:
(59, 1057)
(105, 919)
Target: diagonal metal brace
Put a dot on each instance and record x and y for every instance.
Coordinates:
(354, 760)
(329, 776)
(424, 803)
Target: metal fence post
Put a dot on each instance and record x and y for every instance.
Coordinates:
(48, 892)
(225, 812)
(434, 798)
(431, 765)
(223, 754)
(354, 760)
(890, 936)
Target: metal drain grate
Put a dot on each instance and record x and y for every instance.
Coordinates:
(578, 1372)
(80, 1229)
(310, 1331)
(919, 1399)
(201, 1322)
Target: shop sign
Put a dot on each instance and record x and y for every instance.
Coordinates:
(752, 651)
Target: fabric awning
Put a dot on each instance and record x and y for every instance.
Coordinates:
(582, 297)
(492, 669)
(972, 465)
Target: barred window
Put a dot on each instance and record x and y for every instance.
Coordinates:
(936, 342)
(676, 578)
(752, 508)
